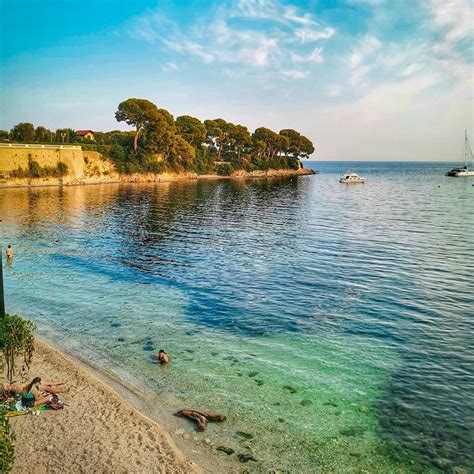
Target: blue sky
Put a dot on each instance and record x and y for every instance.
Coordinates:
(364, 79)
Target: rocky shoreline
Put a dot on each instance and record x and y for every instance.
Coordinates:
(114, 177)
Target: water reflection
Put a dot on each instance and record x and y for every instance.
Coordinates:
(302, 257)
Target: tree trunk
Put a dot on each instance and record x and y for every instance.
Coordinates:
(135, 140)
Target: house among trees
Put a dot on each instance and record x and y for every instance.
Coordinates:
(87, 134)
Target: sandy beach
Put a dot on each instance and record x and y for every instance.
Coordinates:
(98, 430)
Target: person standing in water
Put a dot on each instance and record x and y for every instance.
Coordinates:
(9, 253)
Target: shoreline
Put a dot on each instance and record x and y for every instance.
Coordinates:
(152, 178)
(106, 426)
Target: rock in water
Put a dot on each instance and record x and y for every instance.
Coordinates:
(226, 450)
(246, 458)
(290, 388)
(253, 374)
(306, 403)
(244, 435)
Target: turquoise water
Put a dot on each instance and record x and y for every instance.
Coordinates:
(333, 324)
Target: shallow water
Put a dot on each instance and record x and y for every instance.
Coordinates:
(332, 323)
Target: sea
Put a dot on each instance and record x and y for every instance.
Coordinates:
(332, 324)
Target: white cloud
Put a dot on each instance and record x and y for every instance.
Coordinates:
(169, 66)
(367, 46)
(453, 17)
(313, 57)
(234, 36)
(309, 35)
(295, 74)
(411, 69)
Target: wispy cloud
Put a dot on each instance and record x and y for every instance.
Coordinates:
(235, 36)
(295, 74)
(367, 46)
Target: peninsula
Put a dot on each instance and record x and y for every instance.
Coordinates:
(161, 148)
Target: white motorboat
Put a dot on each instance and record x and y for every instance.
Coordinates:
(464, 171)
(349, 177)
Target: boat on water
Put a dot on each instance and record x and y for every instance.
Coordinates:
(465, 170)
(349, 178)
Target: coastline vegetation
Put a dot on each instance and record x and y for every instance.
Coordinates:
(162, 143)
(35, 170)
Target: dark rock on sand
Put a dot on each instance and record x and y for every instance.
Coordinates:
(115, 325)
(259, 382)
(281, 420)
(306, 403)
(246, 458)
(189, 350)
(214, 354)
(330, 404)
(253, 374)
(148, 347)
(226, 450)
(121, 339)
(290, 388)
(244, 435)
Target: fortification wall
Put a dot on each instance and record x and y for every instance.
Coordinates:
(13, 157)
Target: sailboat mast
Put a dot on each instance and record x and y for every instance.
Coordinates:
(465, 147)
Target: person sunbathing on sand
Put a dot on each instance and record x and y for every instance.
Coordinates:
(51, 386)
(32, 396)
(162, 357)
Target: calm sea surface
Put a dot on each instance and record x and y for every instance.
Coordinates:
(333, 324)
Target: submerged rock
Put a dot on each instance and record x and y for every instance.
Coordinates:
(259, 382)
(214, 353)
(121, 339)
(306, 403)
(246, 458)
(115, 325)
(253, 374)
(330, 403)
(290, 388)
(226, 450)
(352, 431)
(244, 435)
(281, 420)
(148, 347)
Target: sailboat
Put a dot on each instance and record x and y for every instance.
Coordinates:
(464, 171)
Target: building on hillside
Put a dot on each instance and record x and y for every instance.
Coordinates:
(87, 134)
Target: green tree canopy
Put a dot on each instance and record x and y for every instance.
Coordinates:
(42, 134)
(23, 132)
(191, 129)
(61, 135)
(136, 112)
(298, 145)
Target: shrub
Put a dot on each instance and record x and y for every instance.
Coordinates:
(7, 437)
(224, 169)
(16, 340)
(34, 168)
(61, 169)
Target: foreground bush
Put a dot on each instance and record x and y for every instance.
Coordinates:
(7, 437)
(16, 341)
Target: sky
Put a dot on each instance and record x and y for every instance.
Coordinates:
(363, 79)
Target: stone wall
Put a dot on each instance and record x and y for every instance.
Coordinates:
(13, 157)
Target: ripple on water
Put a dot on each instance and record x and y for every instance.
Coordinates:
(332, 323)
